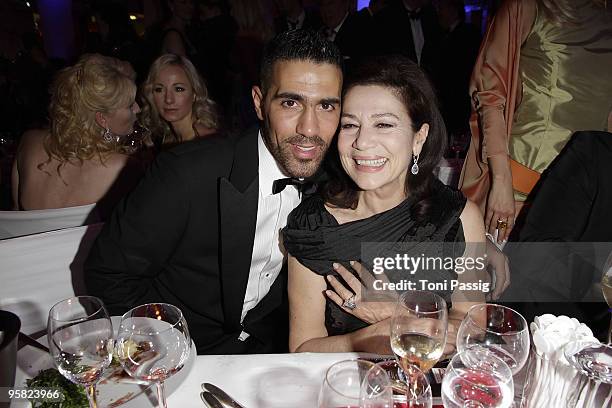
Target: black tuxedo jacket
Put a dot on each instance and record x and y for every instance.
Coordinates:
(393, 33)
(185, 236)
(352, 39)
(571, 204)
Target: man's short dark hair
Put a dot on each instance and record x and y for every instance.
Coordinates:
(297, 45)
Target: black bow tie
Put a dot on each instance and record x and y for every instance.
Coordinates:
(280, 184)
(415, 14)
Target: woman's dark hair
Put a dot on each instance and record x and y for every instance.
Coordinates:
(410, 84)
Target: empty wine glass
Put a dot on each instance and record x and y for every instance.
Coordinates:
(498, 328)
(80, 336)
(606, 288)
(418, 329)
(376, 389)
(476, 378)
(153, 344)
(410, 390)
(342, 384)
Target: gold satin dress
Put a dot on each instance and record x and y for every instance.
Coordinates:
(566, 74)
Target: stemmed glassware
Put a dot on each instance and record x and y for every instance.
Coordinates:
(418, 330)
(606, 288)
(80, 336)
(498, 328)
(409, 391)
(476, 378)
(153, 343)
(376, 389)
(355, 384)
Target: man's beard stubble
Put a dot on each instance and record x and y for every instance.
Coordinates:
(293, 166)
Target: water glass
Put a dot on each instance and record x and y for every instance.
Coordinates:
(80, 336)
(153, 343)
(498, 328)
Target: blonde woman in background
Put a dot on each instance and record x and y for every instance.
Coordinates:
(544, 71)
(81, 159)
(176, 106)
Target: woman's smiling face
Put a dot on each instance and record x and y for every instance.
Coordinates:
(376, 140)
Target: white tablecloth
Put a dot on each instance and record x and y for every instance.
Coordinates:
(264, 380)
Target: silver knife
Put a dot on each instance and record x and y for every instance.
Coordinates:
(221, 395)
(210, 400)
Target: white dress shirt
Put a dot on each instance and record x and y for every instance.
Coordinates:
(418, 37)
(272, 211)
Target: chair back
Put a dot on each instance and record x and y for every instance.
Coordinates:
(9, 332)
(19, 223)
(42, 269)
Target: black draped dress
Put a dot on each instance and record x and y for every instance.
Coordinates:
(314, 237)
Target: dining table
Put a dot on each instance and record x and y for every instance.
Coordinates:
(254, 380)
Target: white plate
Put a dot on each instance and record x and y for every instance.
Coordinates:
(114, 389)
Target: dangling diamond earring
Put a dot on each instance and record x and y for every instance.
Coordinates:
(415, 167)
(107, 135)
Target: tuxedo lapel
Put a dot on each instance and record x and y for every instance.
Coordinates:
(238, 198)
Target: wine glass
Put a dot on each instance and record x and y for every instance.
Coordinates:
(80, 336)
(342, 384)
(594, 361)
(606, 288)
(410, 390)
(476, 378)
(418, 329)
(376, 389)
(153, 343)
(498, 328)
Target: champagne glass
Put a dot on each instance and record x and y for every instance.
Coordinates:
(498, 328)
(342, 384)
(476, 378)
(606, 287)
(80, 336)
(376, 389)
(153, 344)
(409, 391)
(418, 329)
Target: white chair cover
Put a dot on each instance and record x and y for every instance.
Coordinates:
(19, 223)
(39, 270)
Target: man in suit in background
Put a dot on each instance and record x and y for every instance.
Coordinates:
(410, 28)
(345, 27)
(455, 58)
(201, 231)
(293, 16)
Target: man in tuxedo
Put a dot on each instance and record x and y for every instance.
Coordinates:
(201, 231)
(293, 16)
(410, 28)
(346, 28)
(455, 58)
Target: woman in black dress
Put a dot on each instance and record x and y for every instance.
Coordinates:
(391, 138)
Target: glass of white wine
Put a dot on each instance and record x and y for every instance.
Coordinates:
(606, 288)
(80, 336)
(418, 330)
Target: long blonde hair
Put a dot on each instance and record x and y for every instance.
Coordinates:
(94, 84)
(204, 110)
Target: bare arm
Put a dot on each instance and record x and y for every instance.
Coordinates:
(473, 230)
(307, 330)
(491, 91)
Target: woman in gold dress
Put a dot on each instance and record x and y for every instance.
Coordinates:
(544, 71)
